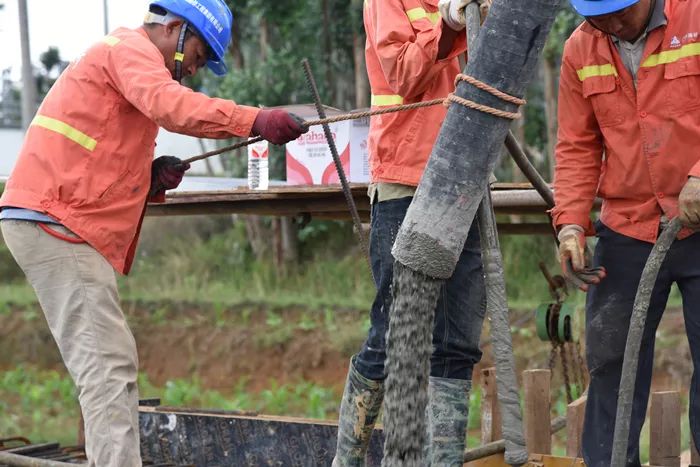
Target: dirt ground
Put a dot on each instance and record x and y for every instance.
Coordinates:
(181, 341)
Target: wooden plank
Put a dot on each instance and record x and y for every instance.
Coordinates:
(245, 441)
(491, 429)
(538, 460)
(495, 460)
(299, 200)
(575, 413)
(665, 426)
(536, 387)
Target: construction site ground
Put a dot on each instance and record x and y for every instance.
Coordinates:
(253, 348)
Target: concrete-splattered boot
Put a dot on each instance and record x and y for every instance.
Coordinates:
(448, 414)
(359, 410)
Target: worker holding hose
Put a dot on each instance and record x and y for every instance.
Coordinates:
(412, 56)
(73, 206)
(629, 128)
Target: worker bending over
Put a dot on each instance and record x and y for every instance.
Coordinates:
(412, 55)
(73, 206)
(629, 132)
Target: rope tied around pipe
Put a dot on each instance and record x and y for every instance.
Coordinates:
(452, 97)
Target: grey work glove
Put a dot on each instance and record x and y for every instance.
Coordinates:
(574, 258)
(689, 204)
(452, 12)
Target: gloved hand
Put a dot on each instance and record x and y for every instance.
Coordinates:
(278, 126)
(689, 204)
(166, 174)
(452, 12)
(574, 258)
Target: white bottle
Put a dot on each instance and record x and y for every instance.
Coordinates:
(258, 174)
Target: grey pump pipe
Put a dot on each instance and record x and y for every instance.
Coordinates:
(497, 306)
(634, 342)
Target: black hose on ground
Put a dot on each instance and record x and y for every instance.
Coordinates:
(634, 342)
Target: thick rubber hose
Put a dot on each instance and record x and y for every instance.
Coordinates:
(497, 309)
(497, 305)
(505, 56)
(634, 342)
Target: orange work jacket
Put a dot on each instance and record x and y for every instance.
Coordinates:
(402, 65)
(635, 148)
(86, 158)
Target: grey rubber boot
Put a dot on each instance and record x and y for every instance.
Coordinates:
(359, 410)
(448, 415)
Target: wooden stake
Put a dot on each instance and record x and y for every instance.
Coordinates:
(665, 424)
(575, 413)
(490, 409)
(536, 384)
(694, 455)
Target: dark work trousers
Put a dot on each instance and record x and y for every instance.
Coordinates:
(608, 312)
(460, 307)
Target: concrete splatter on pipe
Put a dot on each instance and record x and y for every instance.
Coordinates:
(505, 57)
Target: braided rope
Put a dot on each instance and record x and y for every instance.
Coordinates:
(371, 113)
(451, 98)
(490, 89)
(482, 108)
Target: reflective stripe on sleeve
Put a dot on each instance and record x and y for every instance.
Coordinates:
(111, 40)
(66, 130)
(415, 14)
(386, 99)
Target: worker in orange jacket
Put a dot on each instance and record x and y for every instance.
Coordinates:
(629, 126)
(412, 56)
(72, 208)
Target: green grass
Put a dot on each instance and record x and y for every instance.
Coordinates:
(42, 404)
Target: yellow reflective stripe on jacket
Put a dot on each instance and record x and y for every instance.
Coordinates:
(414, 14)
(111, 40)
(65, 130)
(670, 56)
(596, 70)
(386, 99)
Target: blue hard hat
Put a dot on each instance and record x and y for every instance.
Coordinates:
(212, 19)
(600, 7)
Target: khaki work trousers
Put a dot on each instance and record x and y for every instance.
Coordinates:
(77, 291)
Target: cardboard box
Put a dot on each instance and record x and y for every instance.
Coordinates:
(309, 159)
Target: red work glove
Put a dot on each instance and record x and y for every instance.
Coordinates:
(574, 258)
(278, 126)
(166, 174)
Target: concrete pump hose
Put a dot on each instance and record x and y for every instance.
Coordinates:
(634, 341)
(15, 460)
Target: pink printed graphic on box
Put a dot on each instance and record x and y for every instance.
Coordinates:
(309, 161)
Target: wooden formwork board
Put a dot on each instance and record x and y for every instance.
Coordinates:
(536, 460)
(217, 438)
